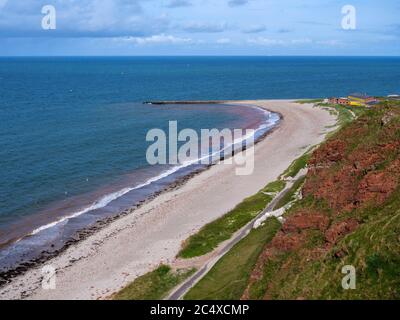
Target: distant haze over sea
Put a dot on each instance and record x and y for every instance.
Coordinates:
(122, 79)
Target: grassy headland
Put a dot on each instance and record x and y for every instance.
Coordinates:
(349, 215)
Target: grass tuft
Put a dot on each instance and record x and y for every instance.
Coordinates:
(154, 285)
(296, 166)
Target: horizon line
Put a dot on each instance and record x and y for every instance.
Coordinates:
(196, 55)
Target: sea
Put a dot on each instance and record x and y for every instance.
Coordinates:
(73, 129)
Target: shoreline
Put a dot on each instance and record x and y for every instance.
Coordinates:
(48, 253)
(96, 252)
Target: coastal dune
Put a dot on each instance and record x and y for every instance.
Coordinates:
(136, 243)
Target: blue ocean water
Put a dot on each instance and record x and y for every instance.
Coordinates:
(57, 152)
(73, 129)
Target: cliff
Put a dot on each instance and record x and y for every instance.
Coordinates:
(349, 215)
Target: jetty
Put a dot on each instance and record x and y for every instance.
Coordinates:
(185, 102)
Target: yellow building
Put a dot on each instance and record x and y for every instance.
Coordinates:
(356, 104)
(358, 99)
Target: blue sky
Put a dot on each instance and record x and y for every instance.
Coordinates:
(199, 27)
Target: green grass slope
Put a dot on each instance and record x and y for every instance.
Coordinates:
(349, 215)
(153, 285)
(228, 278)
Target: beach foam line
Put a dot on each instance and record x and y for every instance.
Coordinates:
(104, 201)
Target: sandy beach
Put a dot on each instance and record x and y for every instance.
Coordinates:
(134, 244)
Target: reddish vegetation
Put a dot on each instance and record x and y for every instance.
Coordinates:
(376, 186)
(305, 219)
(356, 182)
(292, 236)
(328, 155)
(346, 173)
(287, 242)
(340, 229)
(293, 233)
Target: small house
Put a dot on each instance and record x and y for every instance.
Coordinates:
(343, 101)
(359, 99)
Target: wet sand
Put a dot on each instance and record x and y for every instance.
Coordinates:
(134, 244)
